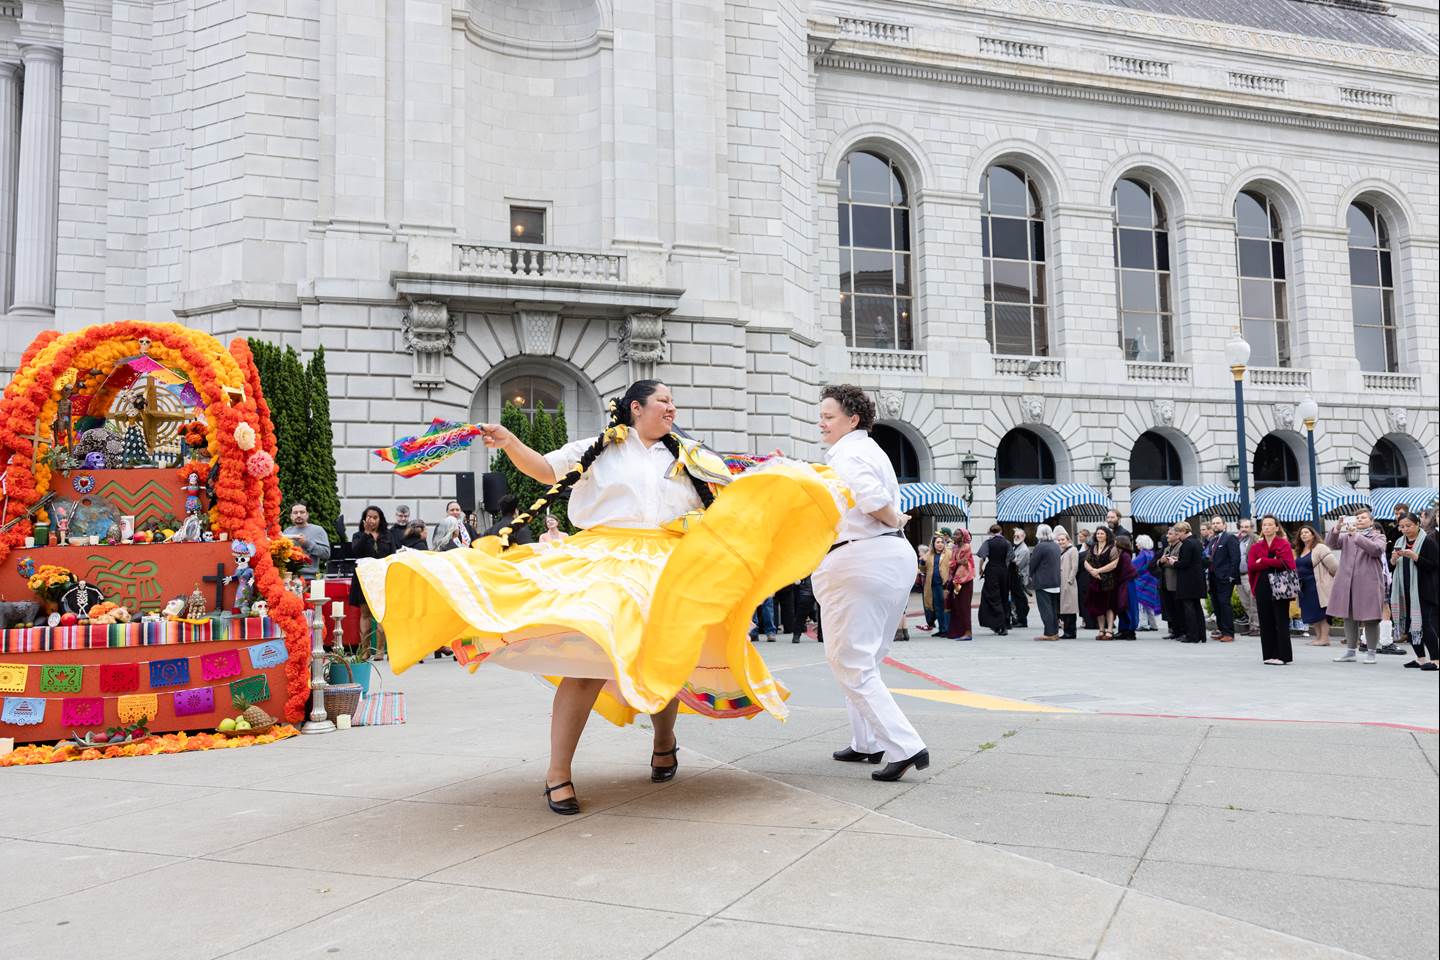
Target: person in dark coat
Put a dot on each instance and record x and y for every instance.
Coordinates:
(509, 506)
(1415, 592)
(1189, 565)
(994, 558)
(371, 540)
(1224, 574)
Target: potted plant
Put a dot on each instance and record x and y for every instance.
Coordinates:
(350, 665)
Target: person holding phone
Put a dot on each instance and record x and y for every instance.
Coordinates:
(1358, 593)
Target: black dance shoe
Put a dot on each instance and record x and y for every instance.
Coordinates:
(849, 755)
(567, 807)
(664, 774)
(896, 770)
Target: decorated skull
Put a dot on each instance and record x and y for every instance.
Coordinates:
(95, 461)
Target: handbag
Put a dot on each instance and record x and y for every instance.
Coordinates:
(1284, 584)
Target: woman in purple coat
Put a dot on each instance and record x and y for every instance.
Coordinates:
(1358, 593)
(1145, 589)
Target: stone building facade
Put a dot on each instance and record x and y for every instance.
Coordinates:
(372, 175)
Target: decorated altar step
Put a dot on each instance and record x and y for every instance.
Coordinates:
(136, 634)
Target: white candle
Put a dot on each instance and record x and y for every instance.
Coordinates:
(317, 589)
(29, 541)
(337, 609)
(342, 722)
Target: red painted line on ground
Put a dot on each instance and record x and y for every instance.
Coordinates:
(944, 684)
(947, 685)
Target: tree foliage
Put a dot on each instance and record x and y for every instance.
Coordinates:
(542, 433)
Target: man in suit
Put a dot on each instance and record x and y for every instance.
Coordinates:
(1189, 565)
(1224, 574)
(1247, 599)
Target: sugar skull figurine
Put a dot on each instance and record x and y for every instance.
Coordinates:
(243, 576)
(144, 346)
(260, 608)
(95, 461)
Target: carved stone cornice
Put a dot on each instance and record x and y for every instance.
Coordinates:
(973, 73)
(642, 343)
(429, 332)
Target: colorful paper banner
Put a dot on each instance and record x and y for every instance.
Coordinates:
(169, 673)
(272, 653)
(13, 676)
(82, 712)
(133, 708)
(218, 666)
(61, 678)
(190, 702)
(256, 689)
(23, 711)
(119, 677)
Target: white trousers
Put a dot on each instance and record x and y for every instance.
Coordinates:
(862, 589)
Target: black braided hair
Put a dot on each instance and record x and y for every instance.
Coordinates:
(639, 392)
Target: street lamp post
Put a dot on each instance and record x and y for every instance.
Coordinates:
(1237, 352)
(1107, 473)
(969, 469)
(1352, 473)
(1309, 412)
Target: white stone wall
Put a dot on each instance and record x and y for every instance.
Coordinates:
(268, 167)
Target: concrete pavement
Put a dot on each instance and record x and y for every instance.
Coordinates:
(1074, 834)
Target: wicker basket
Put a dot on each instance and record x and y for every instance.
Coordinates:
(252, 732)
(342, 698)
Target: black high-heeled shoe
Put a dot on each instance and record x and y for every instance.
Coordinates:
(567, 807)
(851, 755)
(896, 770)
(664, 774)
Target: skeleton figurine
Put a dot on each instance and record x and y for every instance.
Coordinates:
(244, 576)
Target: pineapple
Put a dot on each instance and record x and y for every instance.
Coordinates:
(250, 713)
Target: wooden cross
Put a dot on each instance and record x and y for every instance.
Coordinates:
(151, 416)
(219, 581)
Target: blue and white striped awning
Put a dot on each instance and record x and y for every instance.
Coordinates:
(1173, 504)
(1038, 502)
(932, 499)
(1383, 499)
(1291, 504)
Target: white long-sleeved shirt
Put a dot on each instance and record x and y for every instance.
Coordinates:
(867, 471)
(626, 486)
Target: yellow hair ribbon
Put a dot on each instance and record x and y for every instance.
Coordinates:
(699, 463)
(616, 433)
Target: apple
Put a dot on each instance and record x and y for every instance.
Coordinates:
(242, 724)
(227, 724)
(101, 737)
(68, 619)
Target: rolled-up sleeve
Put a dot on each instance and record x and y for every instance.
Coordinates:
(865, 482)
(567, 456)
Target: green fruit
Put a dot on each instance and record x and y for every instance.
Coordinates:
(227, 724)
(242, 724)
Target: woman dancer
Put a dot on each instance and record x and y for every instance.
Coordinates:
(961, 593)
(863, 585)
(646, 609)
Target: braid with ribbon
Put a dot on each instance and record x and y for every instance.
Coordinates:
(615, 431)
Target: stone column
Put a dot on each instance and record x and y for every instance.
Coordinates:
(38, 193)
(9, 157)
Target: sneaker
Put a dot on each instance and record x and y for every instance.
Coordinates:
(769, 638)
(1394, 650)
(1347, 657)
(1369, 656)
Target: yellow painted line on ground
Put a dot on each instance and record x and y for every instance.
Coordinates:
(982, 701)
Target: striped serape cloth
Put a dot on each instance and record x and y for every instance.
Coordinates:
(380, 709)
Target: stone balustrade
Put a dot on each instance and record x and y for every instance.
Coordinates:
(508, 261)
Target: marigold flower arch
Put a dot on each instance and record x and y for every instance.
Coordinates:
(246, 507)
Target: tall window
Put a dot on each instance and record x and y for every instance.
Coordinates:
(1275, 464)
(1388, 467)
(530, 393)
(876, 269)
(1023, 457)
(1154, 462)
(1012, 239)
(1142, 263)
(900, 451)
(1260, 257)
(1372, 289)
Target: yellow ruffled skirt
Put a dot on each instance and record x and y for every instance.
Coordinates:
(659, 614)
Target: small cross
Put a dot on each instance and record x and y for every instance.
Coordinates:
(219, 581)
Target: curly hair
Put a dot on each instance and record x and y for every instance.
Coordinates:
(639, 392)
(854, 401)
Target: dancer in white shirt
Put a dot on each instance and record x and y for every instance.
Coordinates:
(863, 584)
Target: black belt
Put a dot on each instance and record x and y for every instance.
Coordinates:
(892, 533)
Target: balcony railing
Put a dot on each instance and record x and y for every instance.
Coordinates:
(874, 30)
(1147, 372)
(1279, 377)
(1034, 368)
(887, 361)
(1393, 382)
(507, 261)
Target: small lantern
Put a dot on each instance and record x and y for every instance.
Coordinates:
(1107, 472)
(969, 469)
(1232, 473)
(1352, 473)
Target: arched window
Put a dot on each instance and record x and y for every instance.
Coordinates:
(1023, 457)
(1275, 464)
(1012, 239)
(1142, 265)
(531, 393)
(1372, 289)
(1154, 461)
(1387, 466)
(1260, 261)
(876, 269)
(900, 451)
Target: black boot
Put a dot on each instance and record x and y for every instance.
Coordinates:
(896, 770)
